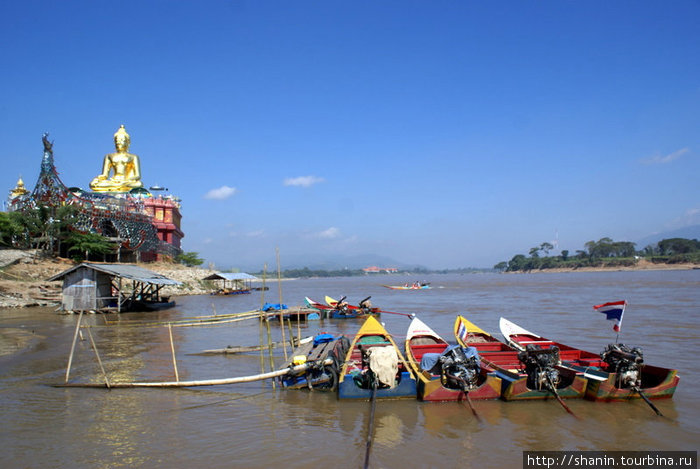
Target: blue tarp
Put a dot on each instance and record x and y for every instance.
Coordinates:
(273, 306)
(430, 360)
(322, 338)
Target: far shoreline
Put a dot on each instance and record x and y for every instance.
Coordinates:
(641, 266)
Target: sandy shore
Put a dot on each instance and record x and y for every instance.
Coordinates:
(642, 264)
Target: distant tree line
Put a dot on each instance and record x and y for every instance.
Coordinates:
(605, 253)
(310, 273)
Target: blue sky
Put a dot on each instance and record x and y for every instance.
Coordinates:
(446, 133)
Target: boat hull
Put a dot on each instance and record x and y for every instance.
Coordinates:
(351, 384)
(503, 360)
(421, 339)
(607, 391)
(405, 389)
(515, 389)
(432, 390)
(657, 382)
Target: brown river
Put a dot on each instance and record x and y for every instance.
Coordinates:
(252, 425)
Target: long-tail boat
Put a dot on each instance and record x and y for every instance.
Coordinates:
(340, 312)
(527, 374)
(447, 372)
(317, 352)
(618, 373)
(363, 308)
(414, 286)
(374, 359)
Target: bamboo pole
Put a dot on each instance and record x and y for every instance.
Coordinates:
(94, 347)
(269, 342)
(172, 351)
(260, 325)
(208, 382)
(279, 285)
(72, 348)
(291, 334)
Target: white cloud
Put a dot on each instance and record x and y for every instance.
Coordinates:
(692, 216)
(330, 233)
(659, 159)
(303, 181)
(220, 193)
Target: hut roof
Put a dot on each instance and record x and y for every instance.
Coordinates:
(128, 271)
(231, 276)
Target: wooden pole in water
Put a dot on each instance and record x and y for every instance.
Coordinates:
(291, 334)
(270, 346)
(72, 348)
(279, 284)
(260, 320)
(94, 347)
(172, 351)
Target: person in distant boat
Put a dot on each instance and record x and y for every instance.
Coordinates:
(125, 166)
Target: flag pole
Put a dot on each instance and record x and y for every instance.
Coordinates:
(619, 325)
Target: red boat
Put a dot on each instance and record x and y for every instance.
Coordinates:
(619, 373)
(342, 310)
(534, 374)
(445, 372)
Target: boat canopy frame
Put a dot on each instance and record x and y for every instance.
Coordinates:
(239, 282)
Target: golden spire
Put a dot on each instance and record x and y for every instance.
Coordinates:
(19, 190)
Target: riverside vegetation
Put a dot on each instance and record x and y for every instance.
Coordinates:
(606, 254)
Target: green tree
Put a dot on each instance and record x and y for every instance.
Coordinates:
(518, 262)
(501, 266)
(10, 229)
(546, 247)
(564, 254)
(673, 246)
(190, 259)
(84, 245)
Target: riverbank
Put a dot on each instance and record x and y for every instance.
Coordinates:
(23, 277)
(642, 264)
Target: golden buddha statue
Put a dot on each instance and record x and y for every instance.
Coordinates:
(126, 167)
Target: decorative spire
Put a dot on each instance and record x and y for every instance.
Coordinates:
(19, 189)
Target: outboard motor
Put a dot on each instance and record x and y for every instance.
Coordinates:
(460, 370)
(366, 305)
(540, 367)
(342, 306)
(626, 362)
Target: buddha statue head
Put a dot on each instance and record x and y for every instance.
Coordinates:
(122, 140)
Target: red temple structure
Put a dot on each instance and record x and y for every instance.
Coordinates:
(165, 214)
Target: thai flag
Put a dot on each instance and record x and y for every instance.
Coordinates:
(613, 312)
(462, 332)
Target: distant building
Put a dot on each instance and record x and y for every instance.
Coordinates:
(376, 270)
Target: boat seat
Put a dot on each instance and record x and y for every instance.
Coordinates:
(420, 350)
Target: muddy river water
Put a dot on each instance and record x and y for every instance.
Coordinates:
(253, 425)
